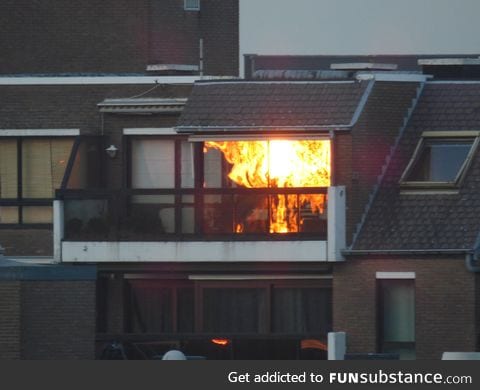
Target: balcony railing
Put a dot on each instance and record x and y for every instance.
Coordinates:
(192, 214)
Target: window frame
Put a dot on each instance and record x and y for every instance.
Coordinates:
(19, 201)
(418, 152)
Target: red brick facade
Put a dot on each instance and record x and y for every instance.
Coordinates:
(47, 319)
(445, 303)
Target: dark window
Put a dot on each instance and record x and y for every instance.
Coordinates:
(248, 319)
(155, 307)
(234, 310)
(439, 160)
(301, 310)
(397, 317)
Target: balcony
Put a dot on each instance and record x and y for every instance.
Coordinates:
(209, 224)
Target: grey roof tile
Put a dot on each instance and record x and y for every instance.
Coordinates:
(271, 104)
(399, 221)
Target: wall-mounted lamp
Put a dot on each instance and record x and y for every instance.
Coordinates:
(112, 151)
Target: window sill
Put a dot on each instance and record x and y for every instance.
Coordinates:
(429, 188)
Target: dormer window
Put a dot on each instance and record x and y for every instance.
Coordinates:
(440, 159)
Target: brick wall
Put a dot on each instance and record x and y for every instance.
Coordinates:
(115, 36)
(10, 340)
(56, 36)
(175, 35)
(220, 32)
(27, 242)
(444, 299)
(58, 319)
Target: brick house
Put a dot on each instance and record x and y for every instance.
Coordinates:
(76, 76)
(189, 256)
(129, 214)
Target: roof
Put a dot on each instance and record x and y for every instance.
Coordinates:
(75, 106)
(264, 104)
(399, 221)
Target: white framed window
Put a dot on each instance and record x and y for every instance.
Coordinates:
(440, 159)
(191, 5)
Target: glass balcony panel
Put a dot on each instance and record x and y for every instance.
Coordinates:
(217, 214)
(86, 218)
(153, 214)
(251, 213)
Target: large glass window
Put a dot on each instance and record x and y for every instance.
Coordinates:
(267, 164)
(159, 307)
(397, 317)
(231, 319)
(162, 164)
(235, 310)
(301, 310)
(31, 169)
(235, 188)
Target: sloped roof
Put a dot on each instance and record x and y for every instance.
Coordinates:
(272, 104)
(69, 106)
(429, 221)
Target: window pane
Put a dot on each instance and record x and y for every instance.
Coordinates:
(153, 214)
(297, 310)
(313, 213)
(150, 308)
(217, 214)
(397, 320)
(239, 310)
(251, 213)
(440, 161)
(85, 171)
(153, 163)
(398, 311)
(185, 310)
(186, 162)
(260, 164)
(43, 166)
(213, 172)
(188, 220)
(85, 217)
(8, 168)
(37, 214)
(9, 214)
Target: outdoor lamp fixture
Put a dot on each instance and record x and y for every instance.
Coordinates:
(112, 151)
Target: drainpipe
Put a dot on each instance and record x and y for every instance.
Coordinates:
(472, 259)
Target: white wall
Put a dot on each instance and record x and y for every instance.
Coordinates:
(337, 27)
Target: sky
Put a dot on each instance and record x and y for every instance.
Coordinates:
(359, 27)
